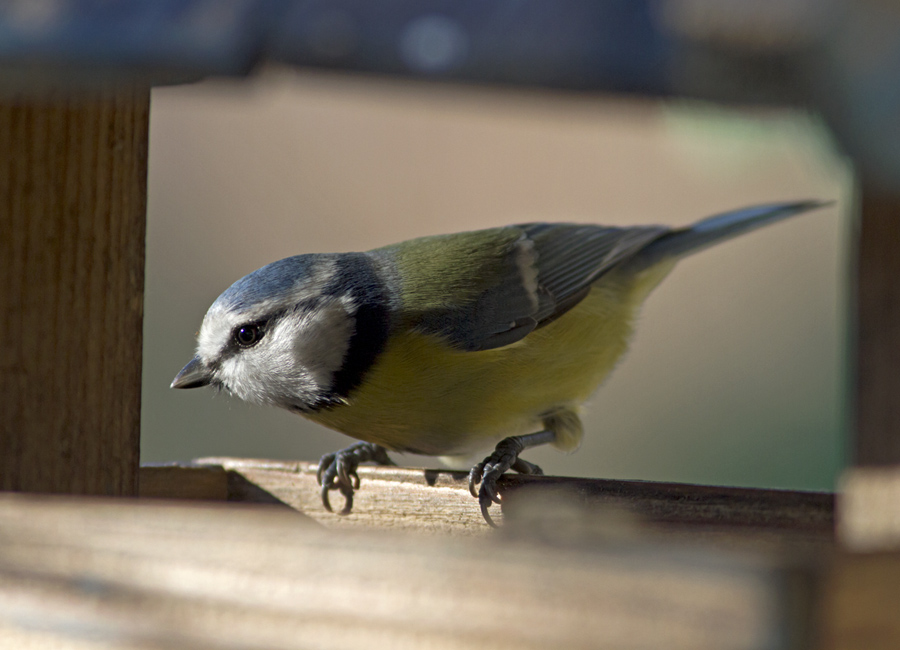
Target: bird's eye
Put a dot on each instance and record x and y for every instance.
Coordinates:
(247, 336)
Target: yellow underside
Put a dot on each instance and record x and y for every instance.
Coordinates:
(424, 397)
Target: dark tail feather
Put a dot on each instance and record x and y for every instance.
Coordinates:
(713, 230)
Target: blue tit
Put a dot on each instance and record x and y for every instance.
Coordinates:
(451, 344)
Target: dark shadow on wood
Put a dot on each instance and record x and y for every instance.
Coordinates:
(241, 489)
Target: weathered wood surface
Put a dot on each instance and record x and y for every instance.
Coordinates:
(141, 574)
(72, 198)
(877, 435)
(439, 501)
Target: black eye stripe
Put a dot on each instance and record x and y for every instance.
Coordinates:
(239, 341)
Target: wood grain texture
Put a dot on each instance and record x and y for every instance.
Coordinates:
(234, 577)
(72, 223)
(439, 502)
(389, 497)
(877, 439)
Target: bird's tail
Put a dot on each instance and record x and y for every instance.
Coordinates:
(712, 230)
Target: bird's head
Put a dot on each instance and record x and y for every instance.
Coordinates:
(277, 336)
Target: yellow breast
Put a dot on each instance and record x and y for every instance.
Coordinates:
(425, 397)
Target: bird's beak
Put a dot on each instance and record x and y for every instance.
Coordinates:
(193, 375)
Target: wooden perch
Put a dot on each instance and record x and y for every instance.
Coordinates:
(393, 497)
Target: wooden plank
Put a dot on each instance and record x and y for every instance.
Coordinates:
(389, 497)
(72, 201)
(239, 577)
(877, 435)
(439, 501)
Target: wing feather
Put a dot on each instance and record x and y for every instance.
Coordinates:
(571, 257)
(487, 289)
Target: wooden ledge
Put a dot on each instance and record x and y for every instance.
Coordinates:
(605, 564)
(439, 501)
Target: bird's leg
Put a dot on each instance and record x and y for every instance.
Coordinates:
(337, 471)
(505, 457)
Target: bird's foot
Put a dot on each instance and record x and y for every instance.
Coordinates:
(505, 457)
(337, 471)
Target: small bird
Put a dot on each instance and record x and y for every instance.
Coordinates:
(451, 344)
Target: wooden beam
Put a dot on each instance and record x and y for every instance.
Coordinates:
(230, 576)
(877, 435)
(439, 501)
(72, 217)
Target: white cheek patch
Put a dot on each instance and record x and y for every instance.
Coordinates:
(297, 358)
(295, 361)
(241, 377)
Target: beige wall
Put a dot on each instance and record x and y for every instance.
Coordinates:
(736, 374)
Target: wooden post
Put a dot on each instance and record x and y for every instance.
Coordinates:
(72, 224)
(877, 440)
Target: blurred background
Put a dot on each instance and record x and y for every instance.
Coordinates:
(737, 373)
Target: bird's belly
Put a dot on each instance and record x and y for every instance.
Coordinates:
(424, 397)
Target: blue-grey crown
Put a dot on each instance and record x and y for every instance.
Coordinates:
(270, 282)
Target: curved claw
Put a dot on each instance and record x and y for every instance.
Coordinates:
(323, 493)
(489, 489)
(347, 476)
(325, 462)
(340, 475)
(486, 473)
(348, 498)
(337, 471)
(485, 504)
(504, 457)
(475, 479)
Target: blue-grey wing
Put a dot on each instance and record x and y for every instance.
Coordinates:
(571, 257)
(518, 280)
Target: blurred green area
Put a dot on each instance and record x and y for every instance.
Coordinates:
(737, 374)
